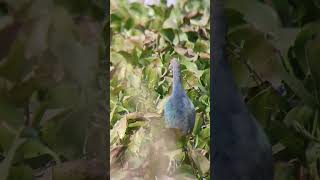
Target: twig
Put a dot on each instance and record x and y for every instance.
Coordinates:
(252, 72)
(136, 115)
(27, 115)
(312, 77)
(192, 163)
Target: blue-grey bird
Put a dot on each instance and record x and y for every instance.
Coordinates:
(179, 112)
(241, 150)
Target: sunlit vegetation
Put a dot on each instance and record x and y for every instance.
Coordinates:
(273, 47)
(144, 38)
(52, 100)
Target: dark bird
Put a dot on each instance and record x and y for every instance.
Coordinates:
(241, 150)
(179, 112)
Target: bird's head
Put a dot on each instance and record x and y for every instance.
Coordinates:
(174, 64)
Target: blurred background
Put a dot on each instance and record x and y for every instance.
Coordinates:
(273, 47)
(52, 90)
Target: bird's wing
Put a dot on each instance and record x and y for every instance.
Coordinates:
(169, 113)
(190, 112)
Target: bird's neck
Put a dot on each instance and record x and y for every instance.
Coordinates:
(177, 86)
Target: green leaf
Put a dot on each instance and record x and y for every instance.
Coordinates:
(37, 41)
(205, 133)
(234, 18)
(307, 33)
(21, 172)
(6, 164)
(11, 115)
(60, 134)
(200, 46)
(313, 156)
(136, 124)
(294, 142)
(131, 57)
(298, 118)
(170, 24)
(197, 125)
(7, 135)
(129, 24)
(284, 171)
(192, 36)
(192, 67)
(201, 161)
(312, 59)
(285, 39)
(12, 67)
(64, 95)
(250, 48)
(300, 114)
(265, 104)
(112, 116)
(277, 148)
(257, 13)
(205, 80)
(38, 114)
(80, 60)
(29, 132)
(23, 90)
(33, 148)
(168, 35)
(136, 141)
(297, 87)
(203, 21)
(118, 130)
(127, 56)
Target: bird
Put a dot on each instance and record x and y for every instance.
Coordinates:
(240, 148)
(179, 111)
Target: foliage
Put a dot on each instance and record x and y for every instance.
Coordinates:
(50, 80)
(143, 41)
(274, 51)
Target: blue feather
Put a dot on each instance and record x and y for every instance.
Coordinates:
(179, 112)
